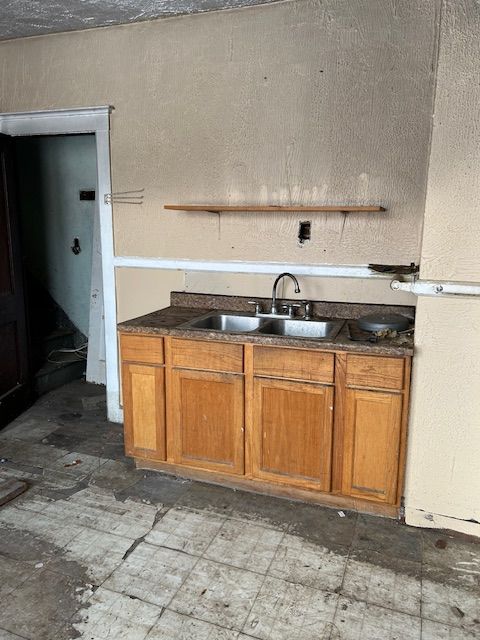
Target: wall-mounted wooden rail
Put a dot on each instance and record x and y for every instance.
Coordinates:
(218, 208)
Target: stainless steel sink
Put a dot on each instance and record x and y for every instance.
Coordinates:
(226, 322)
(316, 329)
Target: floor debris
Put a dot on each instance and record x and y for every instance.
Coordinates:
(103, 550)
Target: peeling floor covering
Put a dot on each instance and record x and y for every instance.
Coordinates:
(101, 550)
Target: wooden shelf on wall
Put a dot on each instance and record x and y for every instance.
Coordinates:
(218, 208)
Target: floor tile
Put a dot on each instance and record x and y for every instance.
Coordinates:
(87, 464)
(173, 626)
(372, 581)
(37, 455)
(450, 605)
(6, 635)
(355, 620)
(286, 611)
(308, 564)
(43, 607)
(152, 573)
(31, 429)
(98, 551)
(438, 631)
(323, 526)
(244, 545)
(57, 533)
(387, 536)
(263, 510)
(110, 615)
(451, 560)
(208, 497)
(156, 488)
(100, 511)
(12, 574)
(186, 530)
(218, 594)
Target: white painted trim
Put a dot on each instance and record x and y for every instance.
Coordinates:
(429, 520)
(438, 288)
(86, 120)
(55, 122)
(96, 330)
(273, 268)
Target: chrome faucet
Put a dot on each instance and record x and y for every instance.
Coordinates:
(273, 309)
(289, 309)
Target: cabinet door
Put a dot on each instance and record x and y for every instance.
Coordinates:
(372, 444)
(144, 410)
(208, 420)
(292, 441)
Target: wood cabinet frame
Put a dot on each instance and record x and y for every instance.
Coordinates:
(244, 473)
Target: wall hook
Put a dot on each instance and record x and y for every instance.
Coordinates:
(124, 197)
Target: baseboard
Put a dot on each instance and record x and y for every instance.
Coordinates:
(428, 520)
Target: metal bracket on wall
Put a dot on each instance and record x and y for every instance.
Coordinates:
(124, 197)
(438, 288)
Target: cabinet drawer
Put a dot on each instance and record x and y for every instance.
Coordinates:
(141, 349)
(211, 356)
(376, 372)
(299, 364)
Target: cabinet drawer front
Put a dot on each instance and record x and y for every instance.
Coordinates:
(375, 372)
(300, 364)
(141, 349)
(211, 356)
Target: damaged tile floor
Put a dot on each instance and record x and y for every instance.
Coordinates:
(96, 549)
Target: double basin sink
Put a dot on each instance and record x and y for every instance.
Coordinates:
(289, 327)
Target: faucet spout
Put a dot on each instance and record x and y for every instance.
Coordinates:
(274, 309)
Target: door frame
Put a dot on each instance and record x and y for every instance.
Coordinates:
(94, 120)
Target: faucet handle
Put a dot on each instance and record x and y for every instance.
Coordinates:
(308, 309)
(289, 307)
(257, 306)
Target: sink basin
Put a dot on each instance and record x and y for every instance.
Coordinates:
(320, 330)
(226, 322)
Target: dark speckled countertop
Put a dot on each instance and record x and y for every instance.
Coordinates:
(186, 307)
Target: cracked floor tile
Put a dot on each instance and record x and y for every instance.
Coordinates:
(450, 605)
(244, 545)
(285, 611)
(100, 511)
(49, 529)
(113, 616)
(186, 530)
(6, 635)
(308, 564)
(356, 620)
(152, 573)
(376, 584)
(218, 594)
(174, 626)
(438, 631)
(98, 551)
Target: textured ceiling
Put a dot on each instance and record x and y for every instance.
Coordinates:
(22, 18)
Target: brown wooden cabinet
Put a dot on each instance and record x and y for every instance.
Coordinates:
(298, 422)
(372, 444)
(207, 420)
(374, 427)
(292, 439)
(143, 382)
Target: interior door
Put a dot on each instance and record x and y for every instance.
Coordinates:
(14, 387)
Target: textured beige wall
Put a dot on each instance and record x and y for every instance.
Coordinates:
(443, 471)
(305, 101)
